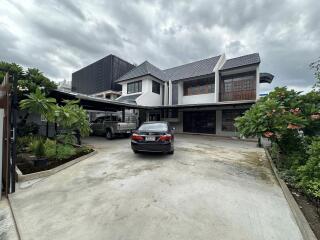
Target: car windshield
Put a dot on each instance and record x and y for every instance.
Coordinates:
(158, 127)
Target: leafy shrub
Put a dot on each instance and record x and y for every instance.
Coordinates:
(311, 170)
(23, 143)
(36, 146)
(66, 137)
(50, 148)
(83, 150)
(65, 151)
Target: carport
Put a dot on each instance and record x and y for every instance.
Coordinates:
(94, 103)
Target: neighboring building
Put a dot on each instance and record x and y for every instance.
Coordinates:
(200, 97)
(64, 85)
(100, 75)
(109, 94)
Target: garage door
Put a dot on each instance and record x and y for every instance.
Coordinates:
(199, 122)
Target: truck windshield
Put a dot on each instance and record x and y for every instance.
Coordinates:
(158, 127)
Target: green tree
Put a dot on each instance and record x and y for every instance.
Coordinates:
(277, 114)
(72, 116)
(28, 81)
(12, 68)
(38, 103)
(32, 80)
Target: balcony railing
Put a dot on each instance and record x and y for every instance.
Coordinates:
(238, 95)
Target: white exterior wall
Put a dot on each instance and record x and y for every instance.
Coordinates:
(200, 98)
(180, 92)
(124, 88)
(148, 98)
(166, 94)
(219, 64)
(170, 93)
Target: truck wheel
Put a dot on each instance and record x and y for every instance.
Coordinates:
(109, 134)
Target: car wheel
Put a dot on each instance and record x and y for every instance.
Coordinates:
(135, 151)
(109, 134)
(171, 152)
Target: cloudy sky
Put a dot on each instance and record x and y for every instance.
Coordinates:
(61, 36)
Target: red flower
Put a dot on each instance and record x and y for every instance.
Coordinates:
(268, 134)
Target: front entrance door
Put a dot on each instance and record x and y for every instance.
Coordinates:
(199, 122)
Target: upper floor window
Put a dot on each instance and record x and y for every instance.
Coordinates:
(195, 87)
(134, 87)
(240, 86)
(155, 87)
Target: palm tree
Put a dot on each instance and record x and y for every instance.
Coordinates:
(38, 103)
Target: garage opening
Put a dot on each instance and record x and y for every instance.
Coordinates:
(199, 122)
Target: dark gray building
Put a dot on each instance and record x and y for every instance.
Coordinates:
(100, 75)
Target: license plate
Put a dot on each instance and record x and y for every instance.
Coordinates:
(150, 138)
(128, 131)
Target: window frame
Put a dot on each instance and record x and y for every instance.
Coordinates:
(134, 87)
(156, 87)
(199, 87)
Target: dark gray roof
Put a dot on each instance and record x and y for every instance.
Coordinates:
(194, 69)
(190, 70)
(241, 61)
(143, 69)
(129, 98)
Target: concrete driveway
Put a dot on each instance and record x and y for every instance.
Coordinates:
(211, 188)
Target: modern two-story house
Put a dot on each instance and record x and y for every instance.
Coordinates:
(199, 97)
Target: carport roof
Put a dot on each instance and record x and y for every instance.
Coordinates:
(92, 103)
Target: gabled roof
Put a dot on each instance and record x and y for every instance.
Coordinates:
(143, 69)
(190, 70)
(241, 61)
(194, 69)
(129, 98)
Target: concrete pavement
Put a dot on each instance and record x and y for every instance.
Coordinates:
(211, 188)
(7, 226)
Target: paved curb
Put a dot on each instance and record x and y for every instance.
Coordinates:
(302, 222)
(47, 173)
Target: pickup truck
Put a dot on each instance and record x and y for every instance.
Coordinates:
(110, 126)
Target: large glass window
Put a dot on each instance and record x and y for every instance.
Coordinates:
(155, 87)
(228, 117)
(134, 87)
(201, 86)
(238, 87)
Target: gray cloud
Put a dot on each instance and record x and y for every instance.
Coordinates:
(59, 36)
